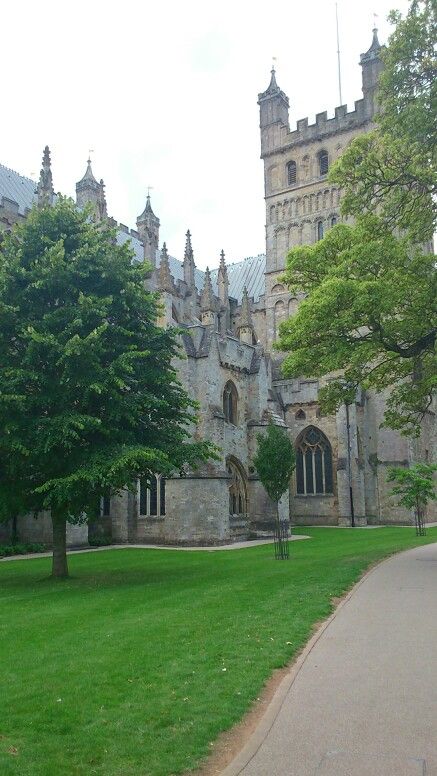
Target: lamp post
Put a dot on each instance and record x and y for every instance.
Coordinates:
(349, 466)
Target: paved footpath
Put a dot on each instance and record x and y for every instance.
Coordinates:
(362, 698)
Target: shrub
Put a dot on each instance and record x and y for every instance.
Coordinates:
(21, 548)
(99, 541)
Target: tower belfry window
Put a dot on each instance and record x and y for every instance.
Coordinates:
(323, 163)
(291, 173)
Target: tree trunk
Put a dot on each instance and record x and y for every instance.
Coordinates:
(14, 532)
(59, 564)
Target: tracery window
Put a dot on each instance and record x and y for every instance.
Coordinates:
(291, 173)
(237, 488)
(152, 496)
(230, 403)
(313, 463)
(323, 162)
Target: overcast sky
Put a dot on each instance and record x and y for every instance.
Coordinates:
(165, 93)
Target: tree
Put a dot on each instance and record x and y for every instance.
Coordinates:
(89, 399)
(275, 461)
(393, 168)
(416, 488)
(369, 318)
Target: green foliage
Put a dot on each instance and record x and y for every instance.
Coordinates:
(275, 460)
(369, 314)
(20, 548)
(415, 485)
(100, 541)
(393, 168)
(89, 398)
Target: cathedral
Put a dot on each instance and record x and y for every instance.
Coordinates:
(229, 318)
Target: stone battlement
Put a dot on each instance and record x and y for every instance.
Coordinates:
(324, 127)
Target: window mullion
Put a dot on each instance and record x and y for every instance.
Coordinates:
(314, 470)
(323, 471)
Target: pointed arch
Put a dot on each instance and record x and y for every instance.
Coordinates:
(230, 403)
(314, 473)
(151, 496)
(237, 487)
(280, 314)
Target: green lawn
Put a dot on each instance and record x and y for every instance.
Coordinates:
(135, 664)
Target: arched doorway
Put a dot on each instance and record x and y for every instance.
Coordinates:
(237, 488)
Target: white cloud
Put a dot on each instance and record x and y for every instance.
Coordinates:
(166, 96)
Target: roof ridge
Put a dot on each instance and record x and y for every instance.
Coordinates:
(5, 167)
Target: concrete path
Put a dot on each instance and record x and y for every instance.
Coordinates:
(212, 548)
(362, 699)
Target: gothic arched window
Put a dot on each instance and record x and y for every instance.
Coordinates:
(300, 415)
(319, 230)
(323, 162)
(230, 403)
(291, 173)
(313, 463)
(152, 496)
(333, 220)
(237, 487)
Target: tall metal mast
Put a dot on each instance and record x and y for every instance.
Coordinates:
(338, 54)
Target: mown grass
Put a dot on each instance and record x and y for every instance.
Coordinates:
(135, 664)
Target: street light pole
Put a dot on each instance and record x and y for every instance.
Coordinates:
(349, 466)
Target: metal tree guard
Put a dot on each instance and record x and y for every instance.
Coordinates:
(419, 519)
(282, 551)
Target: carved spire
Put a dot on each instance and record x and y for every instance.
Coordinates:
(101, 202)
(89, 190)
(148, 229)
(246, 325)
(147, 210)
(207, 299)
(223, 294)
(166, 281)
(223, 270)
(45, 184)
(374, 49)
(188, 262)
(88, 173)
(245, 316)
(272, 89)
(372, 65)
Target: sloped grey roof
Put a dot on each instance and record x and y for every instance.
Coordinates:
(17, 189)
(136, 245)
(249, 272)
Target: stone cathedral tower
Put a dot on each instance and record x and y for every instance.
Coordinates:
(300, 203)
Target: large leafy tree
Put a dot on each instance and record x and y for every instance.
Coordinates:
(89, 398)
(369, 318)
(393, 168)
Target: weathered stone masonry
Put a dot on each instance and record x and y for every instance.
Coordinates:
(230, 317)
